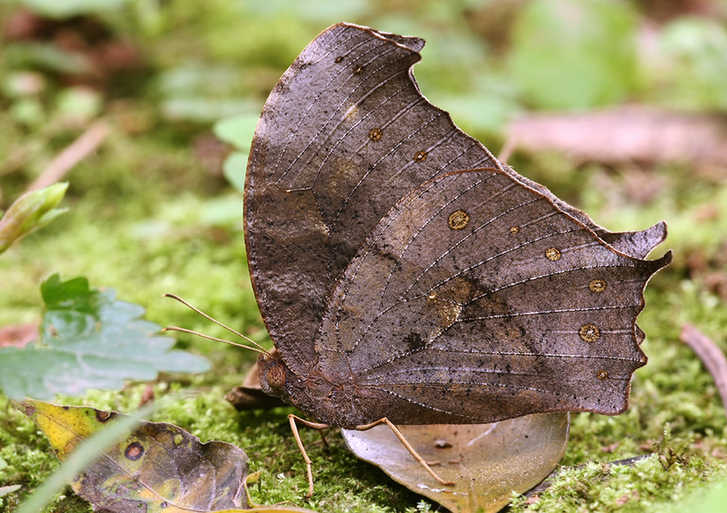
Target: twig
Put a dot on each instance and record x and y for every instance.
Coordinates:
(627, 134)
(78, 150)
(712, 357)
(507, 149)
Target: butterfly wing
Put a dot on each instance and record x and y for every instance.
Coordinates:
(343, 136)
(476, 298)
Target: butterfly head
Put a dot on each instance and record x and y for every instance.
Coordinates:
(313, 393)
(273, 374)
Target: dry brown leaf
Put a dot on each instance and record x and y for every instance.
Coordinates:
(486, 461)
(159, 467)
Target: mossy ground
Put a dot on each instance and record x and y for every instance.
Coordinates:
(147, 218)
(675, 413)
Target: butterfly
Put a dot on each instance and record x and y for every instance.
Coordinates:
(406, 275)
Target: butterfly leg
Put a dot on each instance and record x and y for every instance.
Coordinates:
(408, 446)
(294, 428)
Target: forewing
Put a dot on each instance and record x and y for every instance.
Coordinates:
(477, 298)
(343, 136)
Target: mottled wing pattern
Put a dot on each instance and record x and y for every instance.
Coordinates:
(344, 135)
(476, 298)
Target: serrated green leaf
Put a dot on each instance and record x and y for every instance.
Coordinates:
(74, 294)
(89, 339)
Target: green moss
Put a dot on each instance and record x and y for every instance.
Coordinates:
(147, 218)
(647, 485)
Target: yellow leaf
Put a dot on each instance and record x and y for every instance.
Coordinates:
(159, 467)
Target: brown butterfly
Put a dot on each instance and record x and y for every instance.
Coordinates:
(406, 275)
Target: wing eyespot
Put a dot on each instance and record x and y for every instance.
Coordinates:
(589, 333)
(458, 219)
(552, 254)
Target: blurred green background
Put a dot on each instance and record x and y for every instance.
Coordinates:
(157, 206)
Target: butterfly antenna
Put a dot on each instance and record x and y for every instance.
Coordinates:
(210, 337)
(257, 347)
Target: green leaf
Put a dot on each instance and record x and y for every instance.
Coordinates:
(696, 77)
(237, 130)
(205, 110)
(47, 57)
(78, 104)
(29, 212)
(89, 339)
(74, 294)
(569, 54)
(234, 169)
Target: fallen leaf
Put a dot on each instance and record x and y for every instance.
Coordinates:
(18, 335)
(158, 467)
(250, 395)
(486, 461)
(89, 339)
